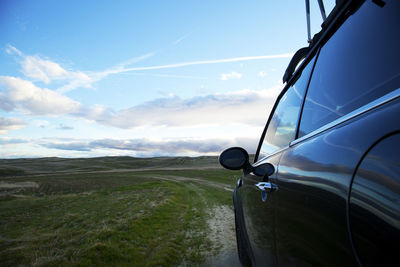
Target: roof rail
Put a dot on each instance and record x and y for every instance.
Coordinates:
(297, 57)
(323, 14)
(302, 53)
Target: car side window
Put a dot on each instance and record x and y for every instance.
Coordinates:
(358, 64)
(283, 124)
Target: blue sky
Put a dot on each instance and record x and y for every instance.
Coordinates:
(142, 78)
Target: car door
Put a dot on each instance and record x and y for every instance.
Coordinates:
(351, 103)
(258, 206)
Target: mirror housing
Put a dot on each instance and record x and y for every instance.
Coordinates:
(234, 158)
(237, 158)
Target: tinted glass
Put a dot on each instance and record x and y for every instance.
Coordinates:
(282, 127)
(360, 63)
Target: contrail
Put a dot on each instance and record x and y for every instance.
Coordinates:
(201, 62)
(181, 38)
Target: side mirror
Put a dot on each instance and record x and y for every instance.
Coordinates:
(234, 158)
(237, 158)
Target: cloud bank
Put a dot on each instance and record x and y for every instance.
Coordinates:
(201, 146)
(25, 96)
(246, 107)
(7, 124)
(46, 71)
(30, 96)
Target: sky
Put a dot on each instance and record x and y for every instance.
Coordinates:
(142, 78)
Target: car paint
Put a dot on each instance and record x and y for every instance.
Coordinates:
(314, 187)
(323, 212)
(374, 209)
(305, 222)
(258, 218)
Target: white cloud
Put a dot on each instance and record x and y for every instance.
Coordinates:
(245, 107)
(232, 75)
(5, 103)
(97, 113)
(46, 71)
(147, 147)
(262, 74)
(7, 124)
(76, 80)
(42, 70)
(152, 146)
(24, 95)
(12, 50)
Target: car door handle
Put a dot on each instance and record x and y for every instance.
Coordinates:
(266, 188)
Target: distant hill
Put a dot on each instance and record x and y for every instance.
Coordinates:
(12, 167)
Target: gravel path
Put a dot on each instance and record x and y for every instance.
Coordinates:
(222, 234)
(221, 223)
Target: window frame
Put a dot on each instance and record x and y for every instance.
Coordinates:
(325, 38)
(318, 41)
(292, 81)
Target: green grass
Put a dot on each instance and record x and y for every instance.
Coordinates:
(10, 167)
(110, 219)
(11, 172)
(215, 175)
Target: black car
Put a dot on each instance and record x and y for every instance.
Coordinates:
(324, 188)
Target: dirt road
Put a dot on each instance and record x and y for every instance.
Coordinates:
(221, 224)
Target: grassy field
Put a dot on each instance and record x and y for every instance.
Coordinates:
(106, 212)
(57, 165)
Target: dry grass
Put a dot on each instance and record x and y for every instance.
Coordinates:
(128, 218)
